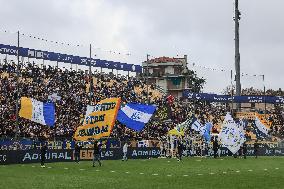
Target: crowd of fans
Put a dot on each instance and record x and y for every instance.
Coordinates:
(76, 89)
(252, 91)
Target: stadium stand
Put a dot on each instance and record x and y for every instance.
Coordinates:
(74, 89)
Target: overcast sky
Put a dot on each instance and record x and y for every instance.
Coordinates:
(202, 29)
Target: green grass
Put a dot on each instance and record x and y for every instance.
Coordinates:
(190, 173)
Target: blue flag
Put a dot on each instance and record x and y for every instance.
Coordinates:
(197, 126)
(260, 128)
(207, 130)
(135, 116)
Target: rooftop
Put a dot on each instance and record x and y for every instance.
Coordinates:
(165, 60)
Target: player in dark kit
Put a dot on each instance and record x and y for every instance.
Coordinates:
(43, 152)
(215, 147)
(179, 149)
(97, 155)
(77, 153)
(256, 146)
(245, 150)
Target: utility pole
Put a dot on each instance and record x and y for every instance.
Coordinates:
(237, 51)
(17, 83)
(90, 76)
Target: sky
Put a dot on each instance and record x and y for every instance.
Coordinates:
(203, 30)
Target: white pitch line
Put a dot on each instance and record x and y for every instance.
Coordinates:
(185, 175)
(141, 173)
(199, 174)
(276, 168)
(224, 172)
(112, 171)
(97, 170)
(49, 167)
(82, 169)
(211, 173)
(169, 175)
(66, 168)
(265, 169)
(155, 174)
(250, 170)
(127, 172)
(237, 171)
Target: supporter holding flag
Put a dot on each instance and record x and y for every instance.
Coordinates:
(135, 116)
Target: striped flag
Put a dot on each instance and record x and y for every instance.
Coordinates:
(135, 116)
(260, 127)
(36, 111)
(197, 126)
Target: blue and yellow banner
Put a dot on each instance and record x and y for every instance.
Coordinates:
(99, 121)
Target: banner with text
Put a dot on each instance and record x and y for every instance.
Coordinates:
(100, 121)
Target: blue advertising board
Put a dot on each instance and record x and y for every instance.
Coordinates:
(52, 56)
(239, 99)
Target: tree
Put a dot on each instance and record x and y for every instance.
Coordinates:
(195, 83)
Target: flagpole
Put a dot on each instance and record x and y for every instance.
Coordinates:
(264, 92)
(148, 100)
(232, 104)
(147, 79)
(17, 83)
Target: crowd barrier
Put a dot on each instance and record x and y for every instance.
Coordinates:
(64, 155)
(28, 144)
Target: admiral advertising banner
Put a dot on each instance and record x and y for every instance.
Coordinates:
(34, 156)
(99, 121)
(116, 153)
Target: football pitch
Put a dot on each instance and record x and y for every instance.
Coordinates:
(264, 172)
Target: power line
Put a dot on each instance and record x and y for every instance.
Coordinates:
(116, 52)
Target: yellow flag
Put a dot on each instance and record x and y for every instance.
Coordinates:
(176, 132)
(100, 121)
